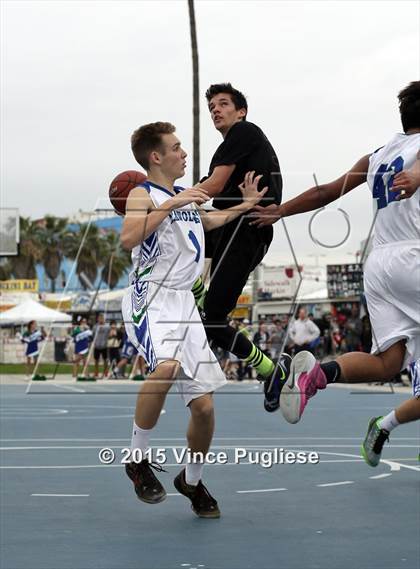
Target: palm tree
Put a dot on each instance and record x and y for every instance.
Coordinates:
(52, 236)
(196, 94)
(116, 260)
(8, 222)
(87, 247)
(5, 270)
(30, 250)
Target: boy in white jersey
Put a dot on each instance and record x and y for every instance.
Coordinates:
(164, 229)
(391, 277)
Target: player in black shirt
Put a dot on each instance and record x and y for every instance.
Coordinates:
(237, 248)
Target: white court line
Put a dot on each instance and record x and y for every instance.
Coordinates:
(78, 406)
(64, 495)
(336, 483)
(223, 447)
(394, 465)
(303, 437)
(116, 465)
(69, 388)
(63, 467)
(381, 476)
(103, 388)
(258, 491)
(20, 416)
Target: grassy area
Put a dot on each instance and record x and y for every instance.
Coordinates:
(43, 369)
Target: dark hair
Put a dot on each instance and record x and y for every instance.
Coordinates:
(409, 99)
(30, 323)
(148, 138)
(238, 98)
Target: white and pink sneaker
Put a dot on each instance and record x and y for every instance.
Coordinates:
(306, 377)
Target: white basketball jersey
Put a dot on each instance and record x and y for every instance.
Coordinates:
(395, 220)
(173, 255)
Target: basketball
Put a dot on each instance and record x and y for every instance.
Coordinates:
(121, 186)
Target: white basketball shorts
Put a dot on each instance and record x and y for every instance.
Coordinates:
(164, 324)
(392, 288)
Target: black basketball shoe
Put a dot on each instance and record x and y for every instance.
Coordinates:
(202, 502)
(147, 487)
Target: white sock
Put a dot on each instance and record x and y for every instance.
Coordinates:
(140, 438)
(193, 473)
(388, 422)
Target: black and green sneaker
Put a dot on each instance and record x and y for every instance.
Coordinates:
(374, 441)
(202, 502)
(273, 384)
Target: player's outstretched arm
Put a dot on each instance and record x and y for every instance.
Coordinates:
(142, 218)
(314, 198)
(250, 195)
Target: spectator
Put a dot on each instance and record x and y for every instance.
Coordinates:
(353, 330)
(303, 332)
(100, 340)
(336, 336)
(230, 368)
(277, 340)
(128, 355)
(113, 343)
(262, 338)
(31, 337)
(82, 336)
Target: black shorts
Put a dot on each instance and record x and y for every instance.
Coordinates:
(98, 352)
(113, 354)
(235, 249)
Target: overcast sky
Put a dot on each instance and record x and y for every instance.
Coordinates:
(321, 80)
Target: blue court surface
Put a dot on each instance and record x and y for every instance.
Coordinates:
(62, 508)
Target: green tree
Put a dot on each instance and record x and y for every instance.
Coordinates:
(87, 247)
(53, 236)
(5, 270)
(30, 250)
(116, 260)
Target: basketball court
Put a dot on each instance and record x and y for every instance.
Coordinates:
(62, 508)
(66, 501)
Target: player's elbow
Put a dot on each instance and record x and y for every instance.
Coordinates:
(326, 194)
(213, 189)
(127, 241)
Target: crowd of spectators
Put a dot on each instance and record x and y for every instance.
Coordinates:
(105, 345)
(334, 333)
(329, 335)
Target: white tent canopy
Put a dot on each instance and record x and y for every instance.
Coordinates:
(32, 310)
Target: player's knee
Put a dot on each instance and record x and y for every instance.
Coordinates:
(202, 408)
(392, 360)
(167, 370)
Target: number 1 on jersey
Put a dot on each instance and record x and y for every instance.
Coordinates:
(196, 244)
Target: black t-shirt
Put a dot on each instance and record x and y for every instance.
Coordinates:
(248, 148)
